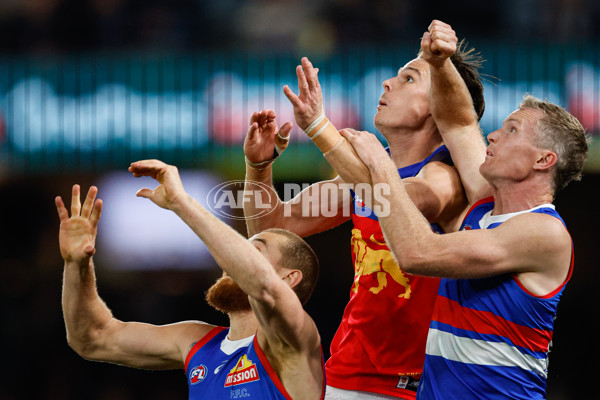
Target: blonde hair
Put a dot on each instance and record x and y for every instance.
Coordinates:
(563, 134)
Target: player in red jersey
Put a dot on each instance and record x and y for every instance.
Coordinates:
(379, 348)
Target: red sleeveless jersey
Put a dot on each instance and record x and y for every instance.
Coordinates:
(380, 344)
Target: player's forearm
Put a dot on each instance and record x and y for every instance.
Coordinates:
(234, 254)
(264, 210)
(406, 231)
(344, 160)
(453, 112)
(258, 194)
(323, 134)
(85, 314)
(338, 152)
(451, 102)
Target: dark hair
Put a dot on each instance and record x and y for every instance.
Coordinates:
(563, 134)
(297, 254)
(468, 62)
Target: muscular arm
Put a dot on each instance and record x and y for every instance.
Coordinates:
(536, 247)
(275, 304)
(95, 334)
(92, 331)
(302, 214)
(453, 112)
(277, 307)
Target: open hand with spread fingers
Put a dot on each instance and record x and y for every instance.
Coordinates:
(77, 236)
(308, 104)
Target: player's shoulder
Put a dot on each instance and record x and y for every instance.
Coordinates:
(199, 329)
(194, 334)
(541, 225)
(190, 332)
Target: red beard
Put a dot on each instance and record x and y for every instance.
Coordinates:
(226, 296)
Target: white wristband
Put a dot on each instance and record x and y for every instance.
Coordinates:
(258, 165)
(316, 122)
(313, 137)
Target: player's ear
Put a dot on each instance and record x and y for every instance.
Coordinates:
(545, 159)
(292, 277)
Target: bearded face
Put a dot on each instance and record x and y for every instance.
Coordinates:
(226, 296)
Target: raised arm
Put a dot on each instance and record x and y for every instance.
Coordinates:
(277, 307)
(534, 247)
(92, 331)
(297, 214)
(310, 117)
(437, 191)
(452, 109)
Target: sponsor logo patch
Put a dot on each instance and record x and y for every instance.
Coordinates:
(408, 383)
(402, 382)
(245, 371)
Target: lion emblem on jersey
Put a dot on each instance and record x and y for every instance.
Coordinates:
(376, 261)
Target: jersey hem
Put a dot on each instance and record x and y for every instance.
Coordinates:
(397, 392)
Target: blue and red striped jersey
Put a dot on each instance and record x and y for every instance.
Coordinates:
(489, 338)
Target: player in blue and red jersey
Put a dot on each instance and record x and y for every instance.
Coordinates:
(271, 350)
(503, 274)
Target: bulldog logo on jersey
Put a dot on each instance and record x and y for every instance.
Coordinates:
(197, 374)
(244, 372)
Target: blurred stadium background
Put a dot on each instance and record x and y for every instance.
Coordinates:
(88, 86)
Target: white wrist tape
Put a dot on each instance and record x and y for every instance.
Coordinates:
(258, 165)
(318, 126)
(316, 122)
(283, 138)
(281, 144)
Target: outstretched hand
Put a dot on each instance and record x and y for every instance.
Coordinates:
(264, 138)
(438, 43)
(308, 104)
(170, 189)
(77, 235)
